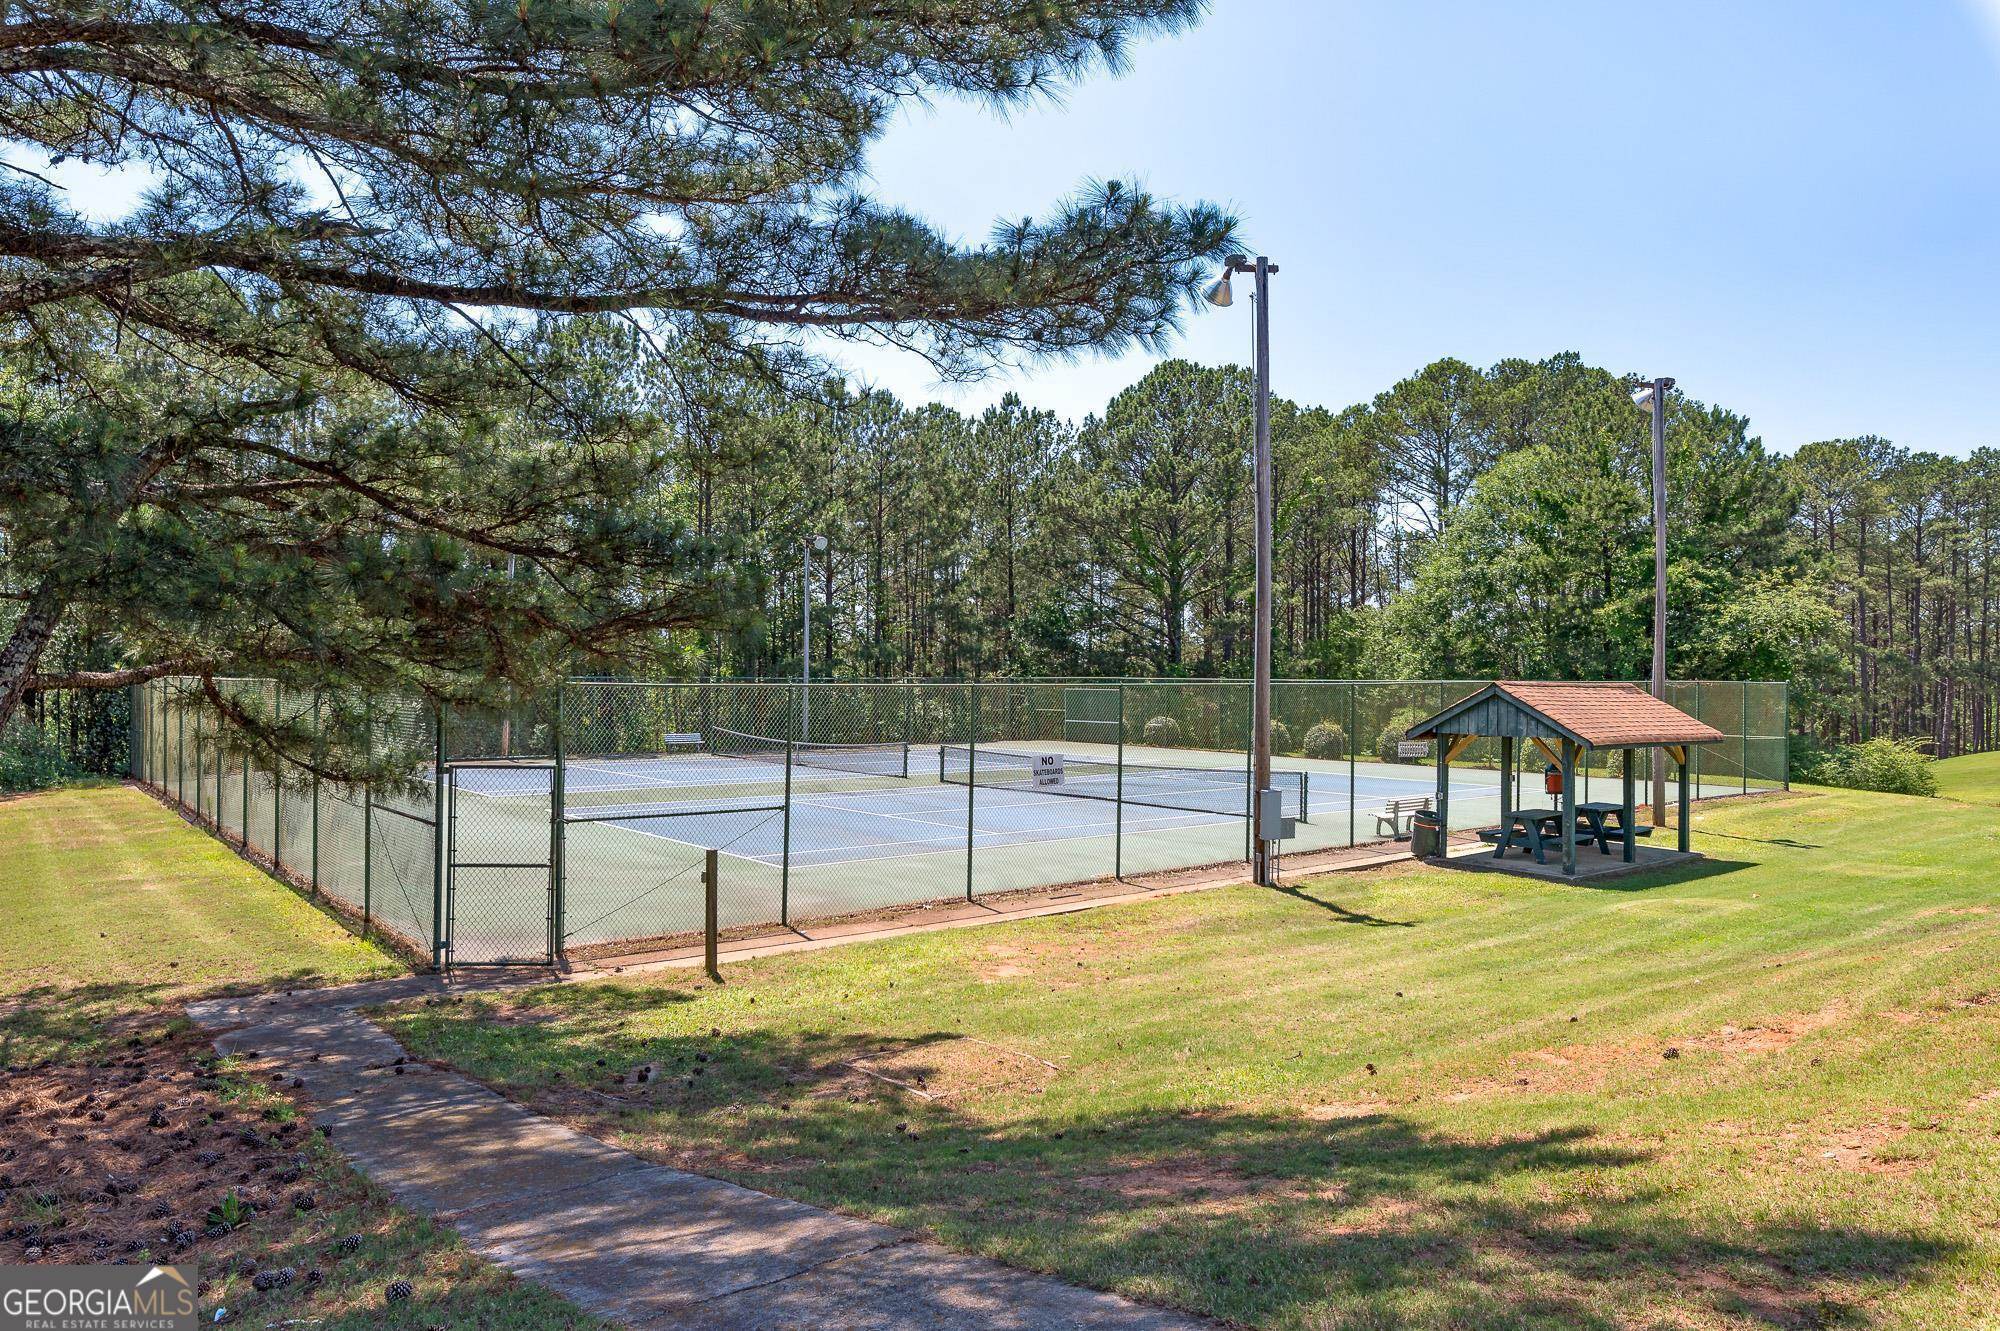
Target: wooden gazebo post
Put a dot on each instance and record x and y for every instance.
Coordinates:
(1569, 807)
(1679, 753)
(1629, 792)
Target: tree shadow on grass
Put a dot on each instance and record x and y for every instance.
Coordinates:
(1344, 1216)
(63, 1022)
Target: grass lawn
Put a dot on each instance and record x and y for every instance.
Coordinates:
(1973, 778)
(114, 912)
(1765, 1091)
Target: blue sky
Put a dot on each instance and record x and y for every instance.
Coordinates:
(1791, 207)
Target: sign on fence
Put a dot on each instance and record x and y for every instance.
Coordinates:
(1048, 769)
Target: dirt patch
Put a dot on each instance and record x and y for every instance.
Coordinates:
(1867, 1149)
(140, 1151)
(1573, 1068)
(956, 1068)
(1336, 1110)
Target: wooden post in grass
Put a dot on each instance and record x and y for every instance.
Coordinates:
(711, 928)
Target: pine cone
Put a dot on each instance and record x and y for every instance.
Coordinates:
(399, 1291)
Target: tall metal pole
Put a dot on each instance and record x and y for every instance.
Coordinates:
(1660, 387)
(806, 653)
(1261, 668)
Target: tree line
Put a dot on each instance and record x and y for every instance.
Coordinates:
(1465, 522)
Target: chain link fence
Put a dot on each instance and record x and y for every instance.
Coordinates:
(582, 819)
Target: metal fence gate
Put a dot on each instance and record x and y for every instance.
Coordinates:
(500, 864)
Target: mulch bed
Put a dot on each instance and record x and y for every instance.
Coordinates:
(137, 1148)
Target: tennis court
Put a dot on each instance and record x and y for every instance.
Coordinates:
(811, 831)
(584, 816)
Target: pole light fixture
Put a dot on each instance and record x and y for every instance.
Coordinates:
(1651, 395)
(1221, 295)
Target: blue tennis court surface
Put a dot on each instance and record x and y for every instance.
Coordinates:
(735, 805)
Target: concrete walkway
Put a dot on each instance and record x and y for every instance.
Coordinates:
(630, 1240)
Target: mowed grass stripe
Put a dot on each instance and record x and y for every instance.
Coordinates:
(1768, 1111)
(114, 905)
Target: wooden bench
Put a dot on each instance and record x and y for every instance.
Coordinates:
(1397, 815)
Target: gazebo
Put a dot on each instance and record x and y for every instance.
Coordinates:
(1565, 721)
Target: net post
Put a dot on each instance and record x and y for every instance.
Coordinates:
(558, 838)
(437, 840)
(1118, 806)
(711, 913)
(785, 855)
(971, 781)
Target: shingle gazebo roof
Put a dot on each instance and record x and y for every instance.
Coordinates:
(1595, 716)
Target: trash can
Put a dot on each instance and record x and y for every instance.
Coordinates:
(1426, 837)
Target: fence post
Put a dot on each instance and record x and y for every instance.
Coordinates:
(277, 781)
(1118, 807)
(1744, 715)
(711, 912)
(243, 827)
(558, 840)
(1250, 782)
(1785, 727)
(132, 763)
(785, 854)
(437, 839)
(1353, 740)
(368, 823)
(319, 756)
(971, 781)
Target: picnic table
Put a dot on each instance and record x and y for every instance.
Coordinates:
(1607, 824)
(1534, 830)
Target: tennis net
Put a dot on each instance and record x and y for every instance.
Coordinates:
(1219, 790)
(880, 759)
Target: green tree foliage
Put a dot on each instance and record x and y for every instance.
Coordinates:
(314, 403)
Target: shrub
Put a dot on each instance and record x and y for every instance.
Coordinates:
(30, 760)
(1281, 737)
(1392, 734)
(1895, 766)
(1326, 740)
(1163, 731)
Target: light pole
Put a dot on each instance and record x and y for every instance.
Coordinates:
(1653, 393)
(816, 543)
(1260, 688)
